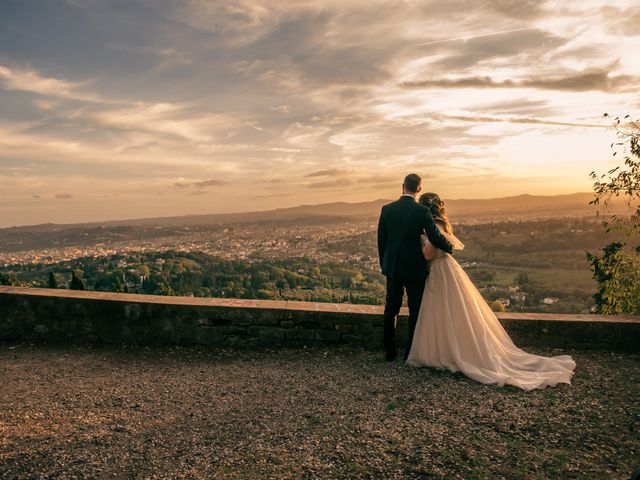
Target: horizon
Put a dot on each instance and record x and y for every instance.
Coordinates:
(139, 109)
(242, 212)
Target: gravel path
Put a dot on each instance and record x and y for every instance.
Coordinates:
(187, 413)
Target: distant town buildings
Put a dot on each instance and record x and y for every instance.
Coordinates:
(550, 300)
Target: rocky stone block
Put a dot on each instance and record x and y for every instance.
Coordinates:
(300, 334)
(331, 336)
(266, 333)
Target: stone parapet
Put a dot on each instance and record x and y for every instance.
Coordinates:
(66, 316)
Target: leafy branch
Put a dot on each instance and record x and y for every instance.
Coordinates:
(621, 181)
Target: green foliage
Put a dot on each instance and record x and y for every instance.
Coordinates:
(265, 295)
(77, 283)
(8, 279)
(623, 180)
(617, 270)
(482, 276)
(551, 252)
(52, 281)
(202, 275)
(281, 284)
(618, 276)
(496, 306)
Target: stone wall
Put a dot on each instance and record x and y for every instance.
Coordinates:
(63, 316)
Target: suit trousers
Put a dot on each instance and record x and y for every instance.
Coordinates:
(395, 292)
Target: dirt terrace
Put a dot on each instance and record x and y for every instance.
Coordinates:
(212, 414)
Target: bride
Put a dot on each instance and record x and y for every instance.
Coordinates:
(456, 330)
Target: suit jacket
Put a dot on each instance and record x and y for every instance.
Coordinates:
(399, 228)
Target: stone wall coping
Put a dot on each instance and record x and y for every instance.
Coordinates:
(287, 305)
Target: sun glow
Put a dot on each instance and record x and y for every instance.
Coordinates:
(239, 98)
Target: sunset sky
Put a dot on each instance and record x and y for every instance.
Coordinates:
(116, 109)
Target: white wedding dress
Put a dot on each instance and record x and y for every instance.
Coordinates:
(456, 330)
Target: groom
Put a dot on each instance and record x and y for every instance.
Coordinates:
(399, 228)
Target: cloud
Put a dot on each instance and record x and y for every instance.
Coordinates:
(623, 21)
(22, 32)
(588, 82)
(82, 3)
(203, 184)
(208, 183)
(29, 80)
(35, 195)
(515, 106)
(306, 135)
(522, 120)
(327, 95)
(303, 46)
(63, 196)
(472, 36)
(162, 118)
(383, 180)
(341, 182)
(328, 173)
(518, 44)
(43, 104)
(576, 82)
(520, 9)
(286, 109)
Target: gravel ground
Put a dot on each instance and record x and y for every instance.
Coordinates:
(190, 413)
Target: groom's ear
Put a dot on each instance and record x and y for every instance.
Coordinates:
(419, 189)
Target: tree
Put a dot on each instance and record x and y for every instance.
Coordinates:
(617, 270)
(281, 284)
(621, 181)
(76, 282)
(618, 276)
(8, 279)
(264, 295)
(53, 281)
(497, 306)
(259, 280)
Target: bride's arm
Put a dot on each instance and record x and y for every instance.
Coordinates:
(428, 250)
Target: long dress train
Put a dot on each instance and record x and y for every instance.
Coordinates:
(456, 330)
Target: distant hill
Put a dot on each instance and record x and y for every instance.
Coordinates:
(521, 206)
(337, 210)
(461, 210)
(524, 206)
(183, 228)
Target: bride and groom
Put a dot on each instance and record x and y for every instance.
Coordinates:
(450, 324)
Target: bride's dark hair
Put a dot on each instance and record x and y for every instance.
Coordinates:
(433, 202)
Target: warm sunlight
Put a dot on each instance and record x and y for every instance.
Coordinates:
(115, 110)
(319, 239)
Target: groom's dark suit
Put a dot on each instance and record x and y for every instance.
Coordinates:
(399, 228)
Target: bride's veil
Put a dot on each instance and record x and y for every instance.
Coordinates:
(455, 241)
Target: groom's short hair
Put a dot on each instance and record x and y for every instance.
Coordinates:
(412, 182)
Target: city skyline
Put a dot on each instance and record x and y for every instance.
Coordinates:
(114, 110)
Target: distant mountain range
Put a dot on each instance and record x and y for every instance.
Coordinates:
(173, 230)
(462, 210)
(520, 206)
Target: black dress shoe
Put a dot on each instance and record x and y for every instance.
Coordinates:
(390, 357)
